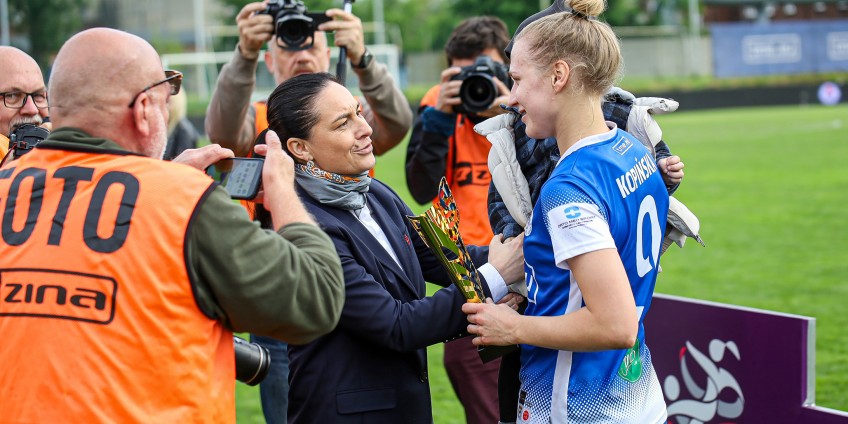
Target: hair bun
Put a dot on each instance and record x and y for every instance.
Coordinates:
(587, 9)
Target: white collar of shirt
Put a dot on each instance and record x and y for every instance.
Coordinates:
(364, 216)
(592, 139)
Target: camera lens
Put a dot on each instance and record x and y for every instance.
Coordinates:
(252, 361)
(478, 92)
(294, 31)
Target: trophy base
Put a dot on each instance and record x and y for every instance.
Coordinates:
(490, 353)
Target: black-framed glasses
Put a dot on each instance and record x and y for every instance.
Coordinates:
(172, 77)
(17, 99)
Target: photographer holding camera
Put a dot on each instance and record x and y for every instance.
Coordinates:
(24, 95)
(444, 143)
(123, 275)
(233, 122)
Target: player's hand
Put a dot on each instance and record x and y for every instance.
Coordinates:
(347, 32)
(512, 300)
(493, 325)
(202, 157)
(254, 29)
(671, 169)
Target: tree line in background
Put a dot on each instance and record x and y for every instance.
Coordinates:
(424, 25)
(46, 23)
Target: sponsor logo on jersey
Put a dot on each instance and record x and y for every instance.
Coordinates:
(573, 213)
(635, 176)
(631, 365)
(623, 145)
(524, 406)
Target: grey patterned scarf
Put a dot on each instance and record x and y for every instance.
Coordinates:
(340, 191)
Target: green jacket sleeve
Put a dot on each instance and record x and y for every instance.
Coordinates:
(287, 285)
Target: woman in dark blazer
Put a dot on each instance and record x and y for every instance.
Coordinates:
(373, 367)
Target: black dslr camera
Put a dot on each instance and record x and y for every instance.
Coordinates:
(478, 89)
(25, 137)
(252, 361)
(293, 26)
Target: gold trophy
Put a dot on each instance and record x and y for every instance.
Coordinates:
(439, 227)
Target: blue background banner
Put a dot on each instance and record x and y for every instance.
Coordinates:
(743, 49)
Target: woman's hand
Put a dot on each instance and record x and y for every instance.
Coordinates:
(494, 325)
(512, 300)
(508, 257)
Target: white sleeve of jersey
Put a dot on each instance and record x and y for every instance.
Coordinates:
(577, 228)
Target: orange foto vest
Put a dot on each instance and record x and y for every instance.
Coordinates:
(468, 176)
(97, 311)
(4, 145)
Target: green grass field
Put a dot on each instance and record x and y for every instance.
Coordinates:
(770, 186)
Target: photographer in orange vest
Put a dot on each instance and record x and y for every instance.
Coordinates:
(24, 94)
(124, 276)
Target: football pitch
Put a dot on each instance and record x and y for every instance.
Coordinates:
(769, 186)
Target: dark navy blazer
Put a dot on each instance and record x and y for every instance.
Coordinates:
(373, 367)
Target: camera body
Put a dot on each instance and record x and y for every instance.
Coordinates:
(293, 25)
(24, 137)
(478, 89)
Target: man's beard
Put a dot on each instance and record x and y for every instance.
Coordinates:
(162, 140)
(156, 148)
(21, 120)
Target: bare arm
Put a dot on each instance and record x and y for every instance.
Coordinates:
(608, 321)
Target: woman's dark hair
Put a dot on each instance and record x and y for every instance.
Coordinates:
(291, 107)
(292, 113)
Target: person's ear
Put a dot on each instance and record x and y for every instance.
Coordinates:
(298, 149)
(560, 75)
(141, 113)
(269, 57)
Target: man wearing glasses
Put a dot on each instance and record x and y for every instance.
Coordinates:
(124, 276)
(23, 92)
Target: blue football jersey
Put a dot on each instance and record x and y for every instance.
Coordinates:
(606, 192)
